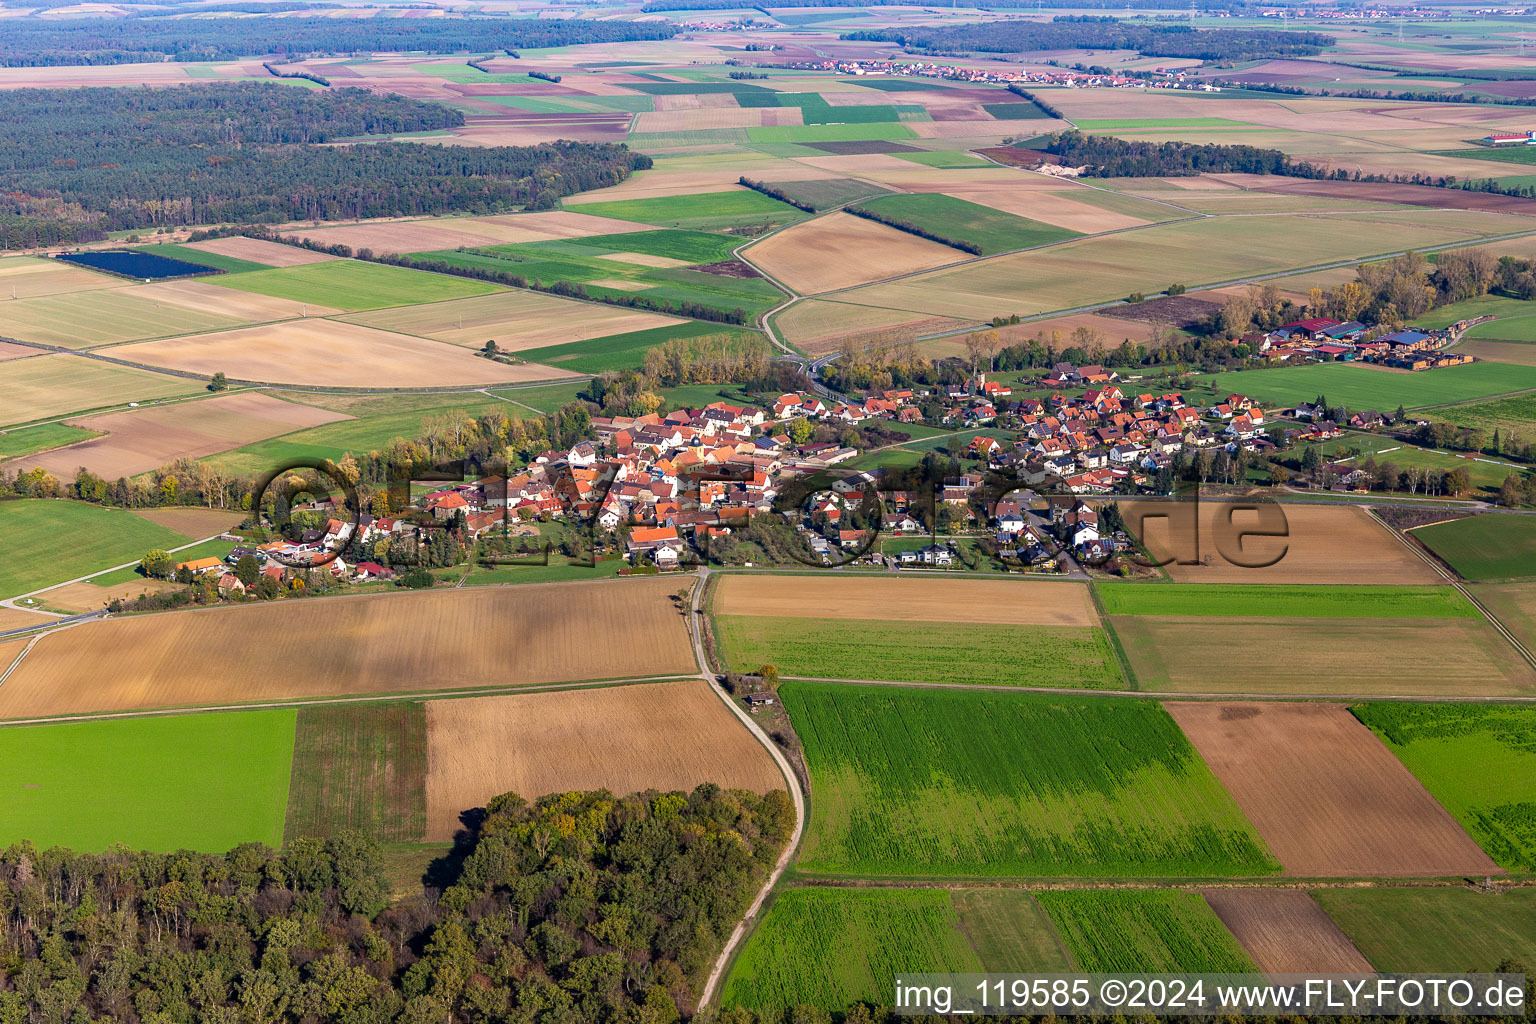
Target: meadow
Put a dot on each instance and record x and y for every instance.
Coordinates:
(949, 652)
(1365, 387)
(920, 782)
(27, 440)
(1144, 931)
(359, 766)
(1426, 929)
(353, 285)
(1284, 601)
(711, 211)
(52, 541)
(1515, 414)
(1479, 761)
(197, 782)
(830, 948)
(1485, 547)
(992, 230)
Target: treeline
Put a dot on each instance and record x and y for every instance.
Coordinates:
(1092, 33)
(773, 193)
(579, 907)
(1044, 107)
(544, 75)
(29, 42)
(914, 229)
(77, 162)
(1106, 156)
(277, 72)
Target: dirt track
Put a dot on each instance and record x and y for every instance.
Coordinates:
(1286, 932)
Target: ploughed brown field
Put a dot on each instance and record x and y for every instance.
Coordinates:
(1327, 796)
(663, 736)
(1321, 544)
(258, 250)
(194, 522)
(837, 596)
(1286, 932)
(370, 644)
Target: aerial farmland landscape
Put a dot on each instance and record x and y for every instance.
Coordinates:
(820, 512)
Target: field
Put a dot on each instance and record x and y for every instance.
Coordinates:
(194, 522)
(330, 353)
(623, 351)
(951, 652)
(1147, 931)
(55, 385)
(663, 736)
(359, 766)
(140, 440)
(1330, 800)
(1285, 601)
(993, 230)
(1426, 929)
(897, 599)
(1286, 932)
(351, 285)
(383, 643)
(828, 192)
(830, 948)
(22, 277)
(840, 250)
(1515, 414)
(1009, 931)
(1478, 761)
(962, 783)
(1486, 547)
(256, 250)
(53, 541)
(228, 264)
(515, 320)
(26, 440)
(710, 211)
(118, 314)
(248, 306)
(451, 232)
(149, 783)
(1320, 544)
(1063, 211)
(1367, 387)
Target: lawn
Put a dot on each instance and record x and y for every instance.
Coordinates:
(1365, 387)
(353, 285)
(199, 782)
(961, 783)
(51, 541)
(360, 766)
(709, 211)
(993, 230)
(28, 440)
(1436, 929)
(878, 131)
(948, 652)
(1485, 547)
(1283, 600)
(1145, 931)
(830, 948)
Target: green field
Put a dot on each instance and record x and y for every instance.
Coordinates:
(878, 131)
(353, 285)
(993, 230)
(709, 211)
(1485, 547)
(830, 948)
(1503, 154)
(1016, 112)
(945, 783)
(52, 541)
(359, 766)
(621, 351)
(228, 264)
(1293, 601)
(28, 440)
(1479, 761)
(692, 246)
(1365, 387)
(948, 161)
(1516, 328)
(829, 192)
(1009, 931)
(692, 88)
(1436, 929)
(1442, 317)
(1144, 931)
(1516, 413)
(815, 110)
(198, 782)
(933, 652)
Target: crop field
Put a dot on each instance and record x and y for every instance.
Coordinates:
(359, 766)
(1367, 387)
(1486, 547)
(140, 440)
(840, 250)
(515, 320)
(1009, 931)
(257, 250)
(194, 522)
(1062, 210)
(950, 652)
(1143, 931)
(831, 948)
(186, 254)
(889, 130)
(248, 306)
(352, 285)
(828, 192)
(663, 736)
(118, 314)
(993, 230)
(55, 385)
(370, 644)
(623, 351)
(1286, 932)
(1285, 601)
(53, 541)
(710, 211)
(330, 353)
(1424, 929)
(25, 277)
(1479, 761)
(26, 440)
(1326, 795)
(148, 783)
(897, 599)
(964, 783)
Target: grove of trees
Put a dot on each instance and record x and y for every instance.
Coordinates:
(1083, 32)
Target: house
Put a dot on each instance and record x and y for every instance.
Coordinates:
(652, 542)
(899, 523)
(1367, 420)
(198, 566)
(230, 585)
(365, 571)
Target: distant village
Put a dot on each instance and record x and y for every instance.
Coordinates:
(1037, 76)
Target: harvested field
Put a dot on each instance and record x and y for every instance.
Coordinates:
(841, 250)
(118, 314)
(377, 643)
(249, 306)
(88, 597)
(451, 232)
(1338, 544)
(516, 320)
(139, 440)
(194, 522)
(330, 353)
(56, 385)
(1003, 602)
(257, 250)
(819, 326)
(9, 351)
(1326, 795)
(1286, 932)
(664, 736)
(1052, 208)
(27, 277)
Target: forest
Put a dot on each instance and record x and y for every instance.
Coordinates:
(76, 163)
(579, 907)
(1108, 157)
(29, 42)
(1092, 33)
